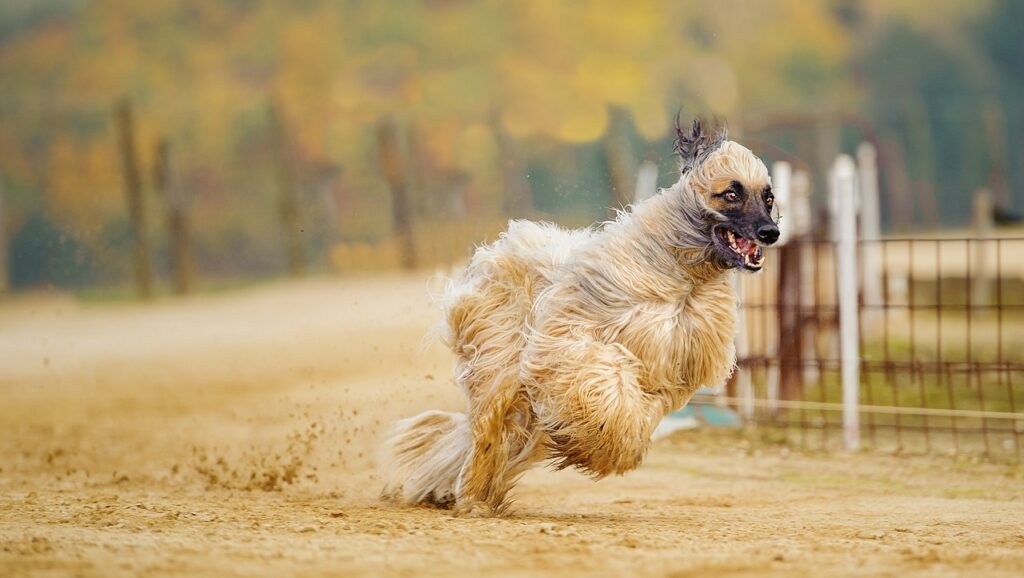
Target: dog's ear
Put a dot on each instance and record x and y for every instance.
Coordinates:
(693, 145)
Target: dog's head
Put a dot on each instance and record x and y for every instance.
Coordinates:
(736, 192)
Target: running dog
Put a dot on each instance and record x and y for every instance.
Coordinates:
(572, 345)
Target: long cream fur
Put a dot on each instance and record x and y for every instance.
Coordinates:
(571, 345)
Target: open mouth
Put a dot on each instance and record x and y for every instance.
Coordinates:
(747, 253)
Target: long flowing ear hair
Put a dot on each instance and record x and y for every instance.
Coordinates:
(695, 219)
(693, 145)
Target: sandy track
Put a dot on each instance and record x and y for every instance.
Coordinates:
(237, 435)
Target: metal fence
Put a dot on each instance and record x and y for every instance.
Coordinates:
(928, 359)
(940, 362)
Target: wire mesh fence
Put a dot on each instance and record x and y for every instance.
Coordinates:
(940, 328)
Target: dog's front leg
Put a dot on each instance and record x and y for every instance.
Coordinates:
(590, 402)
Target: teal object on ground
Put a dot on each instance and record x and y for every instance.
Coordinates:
(702, 411)
(716, 415)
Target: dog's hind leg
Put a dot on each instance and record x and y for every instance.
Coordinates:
(486, 316)
(506, 442)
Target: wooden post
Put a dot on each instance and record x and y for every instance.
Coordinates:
(646, 181)
(621, 163)
(744, 386)
(982, 257)
(177, 220)
(389, 141)
(790, 346)
(845, 217)
(288, 206)
(133, 193)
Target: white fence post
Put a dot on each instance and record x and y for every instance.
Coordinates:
(870, 227)
(646, 181)
(782, 181)
(798, 216)
(982, 273)
(845, 219)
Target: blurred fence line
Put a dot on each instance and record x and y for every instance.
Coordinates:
(145, 205)
(934, 364)
(156, 220)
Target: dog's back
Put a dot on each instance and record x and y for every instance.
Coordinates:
(486, 311)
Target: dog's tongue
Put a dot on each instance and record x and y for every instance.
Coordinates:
(745, 246)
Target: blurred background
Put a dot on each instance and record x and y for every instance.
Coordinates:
(221, 223)
(243, 140)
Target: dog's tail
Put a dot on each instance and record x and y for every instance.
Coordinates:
(427, 453)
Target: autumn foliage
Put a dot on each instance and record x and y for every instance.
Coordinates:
(493, 100)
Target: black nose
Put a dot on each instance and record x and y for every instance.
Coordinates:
(768, 234)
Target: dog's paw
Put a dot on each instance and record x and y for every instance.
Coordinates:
(473, 509)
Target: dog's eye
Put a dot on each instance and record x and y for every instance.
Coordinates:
(769, 200)
(730, 196)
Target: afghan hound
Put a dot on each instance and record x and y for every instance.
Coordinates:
(571, 345)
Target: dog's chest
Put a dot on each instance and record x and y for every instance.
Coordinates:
(685, 344)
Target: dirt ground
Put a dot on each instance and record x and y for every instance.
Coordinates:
(237, 435)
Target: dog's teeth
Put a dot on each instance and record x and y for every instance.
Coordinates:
(758, 257)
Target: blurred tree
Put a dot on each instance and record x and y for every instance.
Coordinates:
(396, 172)
(931, 94)
(175, 219)
(999, 37)
(511, 101)
(135, 200)
(288, 202)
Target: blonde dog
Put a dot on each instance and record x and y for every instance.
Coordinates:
(573, 344)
